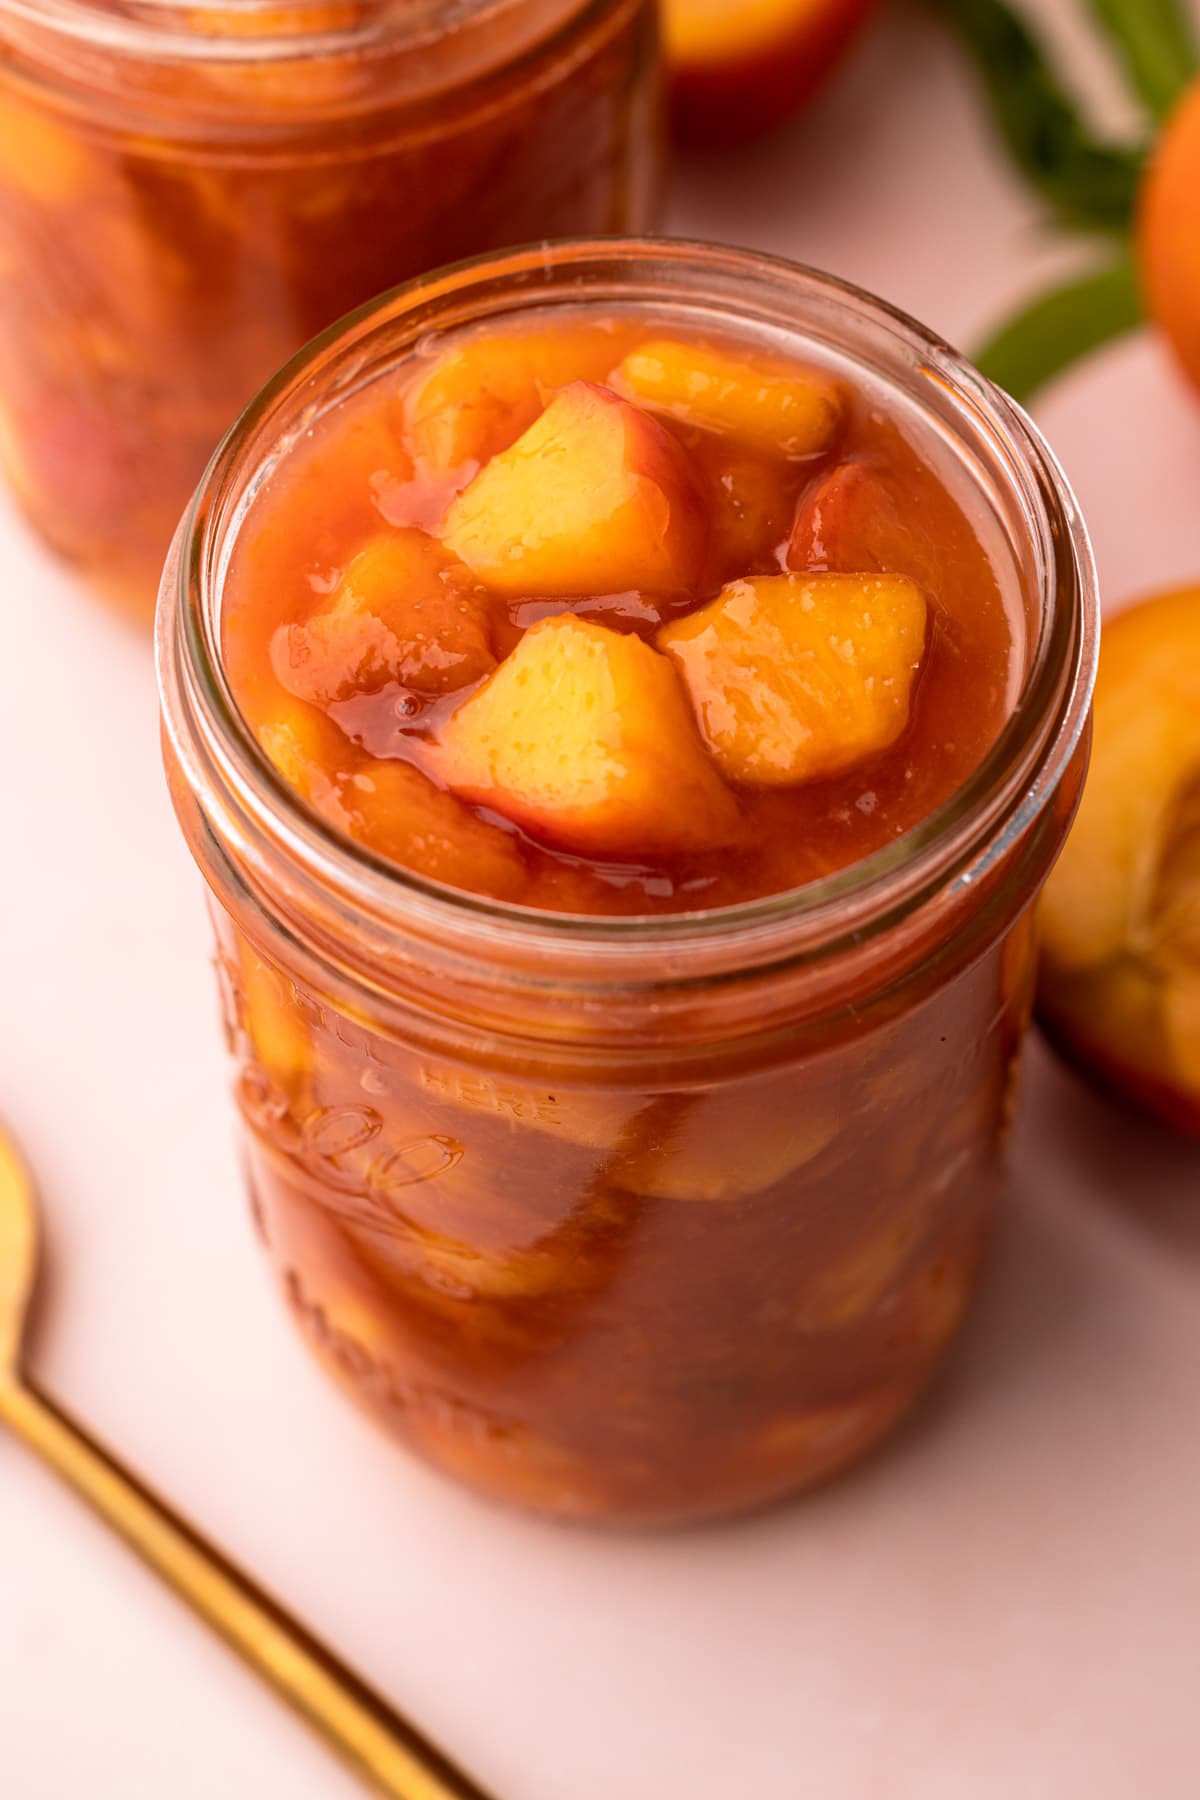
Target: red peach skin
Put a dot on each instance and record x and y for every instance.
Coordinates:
(740, 69)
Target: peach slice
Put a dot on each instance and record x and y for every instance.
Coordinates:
(797, 1450)
(289, 83)
(344, 1322)
(751, 515)
(853, 520)
(471, 1216)
(276, 21)
(861, 1277)
(402, 612)
(796, 678)
(510, 1461)
(1119, 976)
(40, 160)
(457, 1270)
(584, 737)
(739, 70)
(595, 498)
(278, 1030)
(403, 816)
(482, 393)
(931, 1309)
(733, 1142)
(593, 1119)
(308, 751)
(768, 406)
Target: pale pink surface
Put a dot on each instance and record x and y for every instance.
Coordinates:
(1006, 1604)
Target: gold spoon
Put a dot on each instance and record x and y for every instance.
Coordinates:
(362, 1728)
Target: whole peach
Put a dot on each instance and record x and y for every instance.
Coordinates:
(1169, 232)
(739, 69)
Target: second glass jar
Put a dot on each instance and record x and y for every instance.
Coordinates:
(190, 192)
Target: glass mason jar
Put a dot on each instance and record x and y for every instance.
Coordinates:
(633, 1219)
(188, 192)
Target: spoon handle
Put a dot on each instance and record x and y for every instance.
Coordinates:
(357, 1723)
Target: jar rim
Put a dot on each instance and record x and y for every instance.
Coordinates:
(952, 847)
(174, 30)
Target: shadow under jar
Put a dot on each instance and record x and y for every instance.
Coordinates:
(642, 1219)
(190, 192)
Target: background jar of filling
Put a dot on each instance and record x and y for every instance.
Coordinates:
(652, 1218)
(190, 192)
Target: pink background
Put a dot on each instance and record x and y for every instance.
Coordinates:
(1007, 1604)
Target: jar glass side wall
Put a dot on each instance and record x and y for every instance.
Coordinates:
(156, 271)
(656, 1218)
(642, 1300)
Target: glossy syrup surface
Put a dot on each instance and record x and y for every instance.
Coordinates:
(364, 738)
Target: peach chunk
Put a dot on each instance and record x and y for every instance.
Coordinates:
(751, 512)
(584, 737)
(854, 519)
(802, 1448)
(1119, 977)
(767, 405)
(402, 612)
(483, 392)
(275, 1024)
(595, 498)
(860, 1277)
(40, 159)
(732, 1142)
(403, 816)
(796, 678)
(308, 750)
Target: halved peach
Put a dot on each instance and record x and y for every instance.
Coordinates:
(403, 612)
(1119, 975)
(401, 814)
(769, 406)
(584, 737)
(595, 498)
(739, 70)
(795, 678)
(481, 393)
